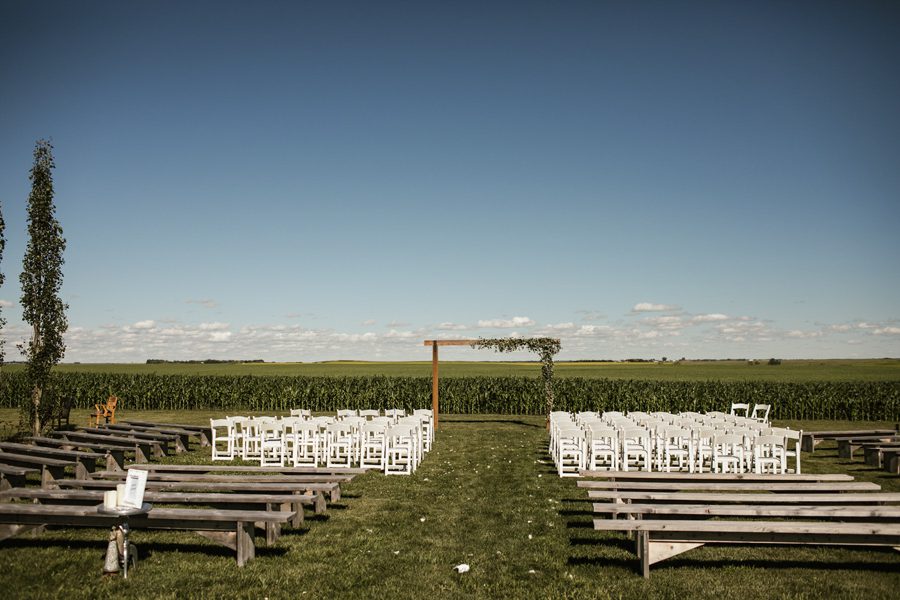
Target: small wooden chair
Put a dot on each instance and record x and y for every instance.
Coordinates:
(105, 411)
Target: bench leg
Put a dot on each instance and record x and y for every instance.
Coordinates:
(246, 550)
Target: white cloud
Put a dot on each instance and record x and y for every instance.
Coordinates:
(506, 323)
(666, 322)
(887, 331)
(213, 326)
(5, 304)
(709, 318)
(651, 307)
(148, 324)
(451, 327)
(220, 336)
(368, 322)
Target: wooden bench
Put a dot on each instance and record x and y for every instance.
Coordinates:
(733, 486)
(231, 528)
(824, 499)
(891, 460)
(143, 449)
(847, 447)
(811, 439)
(268, 502)
(11, 476)
(52, 469)
(332, 490)
(660, 539)
(874, 454)
(88, 459)
(170, 468)
(164, 440)
(117, 453)
(624, 476)
(202, 431)
(201, 477)
(184, 436)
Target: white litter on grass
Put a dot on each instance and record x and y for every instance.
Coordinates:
(531, 572)
(396, 552)
(529, 536)
(463, 568)
(422, 519)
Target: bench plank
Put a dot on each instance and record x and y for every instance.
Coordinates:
(837, 486)
(749, 498)
(232, 528)
(711, 477)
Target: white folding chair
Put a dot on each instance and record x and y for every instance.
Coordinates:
(400, 452)
(739, 409)
(571, 452)
(340, 445)
(604, 447)
(761, 413)
(271, 443)
(222, 439)
(636, 443)
(373, 445)
(677, 447)
(369, 413)
(769, 454)
(304, 413)
(728, 453)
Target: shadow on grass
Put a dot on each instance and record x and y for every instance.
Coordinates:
(145, 548)
(686, 563)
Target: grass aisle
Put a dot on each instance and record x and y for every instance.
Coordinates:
(485, 496)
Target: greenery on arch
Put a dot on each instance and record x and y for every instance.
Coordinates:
(546, 348)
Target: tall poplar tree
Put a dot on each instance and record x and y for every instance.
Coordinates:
(41, 280)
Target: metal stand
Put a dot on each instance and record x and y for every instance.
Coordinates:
(121, 530)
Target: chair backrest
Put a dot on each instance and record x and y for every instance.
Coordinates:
(369, 413)
(761, 412)
(301, 412)
(346, 412)
(739, 409)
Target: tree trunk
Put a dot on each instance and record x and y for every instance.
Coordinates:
(36, 417)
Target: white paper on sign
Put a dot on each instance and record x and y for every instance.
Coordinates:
(135, 483)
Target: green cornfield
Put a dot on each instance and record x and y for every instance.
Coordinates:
(833, 400)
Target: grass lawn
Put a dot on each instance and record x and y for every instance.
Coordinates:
(486, 496)
(789, 370)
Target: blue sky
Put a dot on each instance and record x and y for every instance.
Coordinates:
(311, 181)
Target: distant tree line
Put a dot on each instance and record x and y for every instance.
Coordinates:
(207, 361)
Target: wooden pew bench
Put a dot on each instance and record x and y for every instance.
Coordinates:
(52, 469)
(847, 447)
(811, 439)
(823, 499)
(892, 460)
(660, 539)
(201, 431)
(269, 502)
(633, 476)
(117, 453)
(167, 443)
(220, 468)
(231, 528)
(181, 438)
(204, 477)
(331, 490)
(143, 449)
(732, 486)
(12, 477)
(90, 460)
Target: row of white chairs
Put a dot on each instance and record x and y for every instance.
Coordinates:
(692, 442)
(394, 443)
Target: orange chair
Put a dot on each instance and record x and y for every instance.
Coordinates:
(105, 411)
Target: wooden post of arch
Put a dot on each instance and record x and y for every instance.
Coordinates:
(434, 369)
